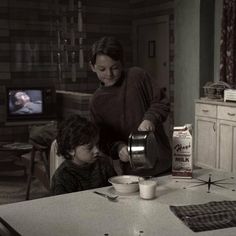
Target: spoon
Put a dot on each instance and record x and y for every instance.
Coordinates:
(111, 198)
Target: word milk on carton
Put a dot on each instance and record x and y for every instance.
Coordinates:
(182, 162)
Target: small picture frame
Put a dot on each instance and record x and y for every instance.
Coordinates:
(151, 48)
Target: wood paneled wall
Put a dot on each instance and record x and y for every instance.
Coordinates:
(108, 18)
(25, 52)
(25, 37)
(4, 42)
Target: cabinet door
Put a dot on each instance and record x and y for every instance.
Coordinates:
(205, 142)
(226, 142)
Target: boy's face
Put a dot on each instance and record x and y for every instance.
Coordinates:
(108, 71)
(86, 154)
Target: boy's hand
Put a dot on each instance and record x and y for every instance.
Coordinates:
(146, 125)
(123, 153)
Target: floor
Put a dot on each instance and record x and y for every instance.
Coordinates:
(13, 181)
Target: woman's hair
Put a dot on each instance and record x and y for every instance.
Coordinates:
(72, 132)
(109, 46)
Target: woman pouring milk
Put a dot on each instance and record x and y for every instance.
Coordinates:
(127, 101)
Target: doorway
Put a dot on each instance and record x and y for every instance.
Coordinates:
(151, 52)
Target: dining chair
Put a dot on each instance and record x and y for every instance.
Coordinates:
(55, 160)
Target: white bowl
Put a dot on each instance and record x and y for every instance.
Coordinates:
(125, 183)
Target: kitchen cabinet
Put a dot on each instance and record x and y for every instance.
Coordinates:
(215, 134)
(226, 138)
(205, 135)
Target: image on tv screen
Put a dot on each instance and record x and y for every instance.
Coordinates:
(25, 102)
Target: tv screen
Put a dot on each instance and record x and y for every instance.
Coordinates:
(25, 102)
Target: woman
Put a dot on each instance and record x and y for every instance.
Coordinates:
(127, 101)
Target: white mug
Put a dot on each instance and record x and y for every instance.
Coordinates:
(147, 188)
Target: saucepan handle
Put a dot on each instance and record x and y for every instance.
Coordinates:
(130, 141)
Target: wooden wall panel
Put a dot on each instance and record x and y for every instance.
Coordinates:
(25, 51)
(25, 36)
(4, 42)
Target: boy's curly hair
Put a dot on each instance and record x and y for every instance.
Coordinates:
(72, 132)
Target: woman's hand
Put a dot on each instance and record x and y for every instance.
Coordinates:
(123, 153)
(146, 125)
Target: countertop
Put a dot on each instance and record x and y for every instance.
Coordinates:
(85, 213)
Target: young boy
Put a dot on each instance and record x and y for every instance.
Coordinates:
(83, 167)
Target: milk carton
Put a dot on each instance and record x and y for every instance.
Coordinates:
(182, 161)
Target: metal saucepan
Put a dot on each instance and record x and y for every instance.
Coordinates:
(142, 148)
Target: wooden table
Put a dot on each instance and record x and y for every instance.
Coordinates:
(85, 213)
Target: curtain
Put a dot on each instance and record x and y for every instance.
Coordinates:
(228, 43)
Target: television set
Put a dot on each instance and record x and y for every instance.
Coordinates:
(27, 104)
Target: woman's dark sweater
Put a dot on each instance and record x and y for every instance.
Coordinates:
(119, 109)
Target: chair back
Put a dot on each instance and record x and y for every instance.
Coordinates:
(55, 160)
